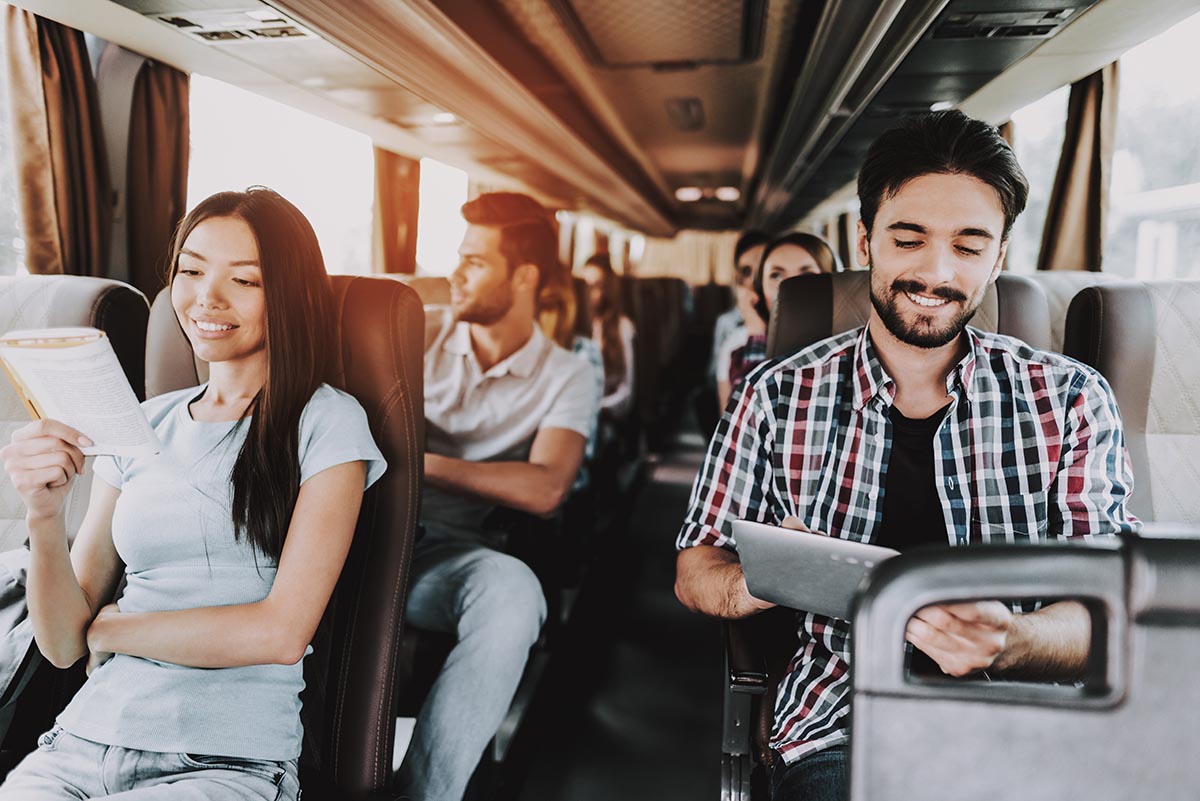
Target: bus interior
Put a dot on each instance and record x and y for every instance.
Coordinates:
(656, 132)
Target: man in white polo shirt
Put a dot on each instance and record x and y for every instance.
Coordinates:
(507, 415)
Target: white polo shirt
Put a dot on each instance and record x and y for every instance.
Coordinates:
(493, 416)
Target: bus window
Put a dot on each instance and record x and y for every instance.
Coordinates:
(1038, 129)
(240, 139)
(1154, 202)
(440, 224)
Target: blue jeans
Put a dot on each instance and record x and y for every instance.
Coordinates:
(820, 777)
(493, 603)
(69, 768)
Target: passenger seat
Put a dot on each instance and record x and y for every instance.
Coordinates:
(352, 677)
(1144, 337)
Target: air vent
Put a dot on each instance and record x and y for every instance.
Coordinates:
(249, 24)
(221, 36)
(282, 32)
(686, 113)
(1005, 25)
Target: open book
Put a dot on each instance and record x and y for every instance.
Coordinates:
(72, 375)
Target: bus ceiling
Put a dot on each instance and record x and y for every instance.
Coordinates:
(705, 114)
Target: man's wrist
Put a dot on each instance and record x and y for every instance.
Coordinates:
(1017, 645)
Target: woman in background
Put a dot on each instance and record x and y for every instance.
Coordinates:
(785, 257)
(613, 332)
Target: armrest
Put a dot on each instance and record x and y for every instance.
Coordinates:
(746, 665)
(1161, 530)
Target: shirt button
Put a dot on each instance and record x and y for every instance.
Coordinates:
(873, 494)
(950, 483)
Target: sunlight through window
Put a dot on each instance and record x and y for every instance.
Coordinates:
(440, 225)
(240, 139)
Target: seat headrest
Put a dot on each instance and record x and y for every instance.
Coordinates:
(810, 308)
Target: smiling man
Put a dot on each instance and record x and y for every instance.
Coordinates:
(913, 430)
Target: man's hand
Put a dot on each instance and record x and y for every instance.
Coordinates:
(962, 638)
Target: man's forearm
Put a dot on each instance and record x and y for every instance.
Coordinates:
(523, 486)
(1051, 644)
(709, 580)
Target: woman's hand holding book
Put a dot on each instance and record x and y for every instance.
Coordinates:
(41, 461)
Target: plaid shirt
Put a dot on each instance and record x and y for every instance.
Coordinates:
(1030, 449)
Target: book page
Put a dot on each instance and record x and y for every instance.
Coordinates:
(85, 387)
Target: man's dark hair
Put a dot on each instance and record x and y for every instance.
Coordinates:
(946, 142)
(749, 239)
(527, 231)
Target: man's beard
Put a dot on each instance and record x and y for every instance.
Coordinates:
(487, 310)
(922, 332)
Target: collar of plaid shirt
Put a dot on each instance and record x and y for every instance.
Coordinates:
(1031, 450)
(872, 379)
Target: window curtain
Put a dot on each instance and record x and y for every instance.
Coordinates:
(156, 172)
(698, 257)
(397, 198)
(1073, 238)
(62, 173)
(847, 240)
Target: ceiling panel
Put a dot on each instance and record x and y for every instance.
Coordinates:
(624, 33)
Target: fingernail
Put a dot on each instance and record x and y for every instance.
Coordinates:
(85, 442)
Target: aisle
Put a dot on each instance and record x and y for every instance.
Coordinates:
(635, 710)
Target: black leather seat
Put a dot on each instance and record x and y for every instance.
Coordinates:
(352, 678)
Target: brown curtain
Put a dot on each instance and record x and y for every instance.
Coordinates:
(1073, 238)
(156, 175)
(397, 198)
(62, 174)
(847, 239)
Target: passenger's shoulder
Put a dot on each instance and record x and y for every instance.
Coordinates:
(817, 357)
(329, 400)
(1000, 349)
(158, 407)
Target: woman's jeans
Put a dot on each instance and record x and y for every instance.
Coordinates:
(820, 777)
(69, 768)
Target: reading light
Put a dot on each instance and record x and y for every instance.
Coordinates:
(444, 118)
(729, 194)
(941, 105)
(688, 194)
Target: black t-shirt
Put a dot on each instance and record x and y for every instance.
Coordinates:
(912, 510)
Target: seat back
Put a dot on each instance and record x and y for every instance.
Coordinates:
(349, 700)
(944, 740)
(1061, 287)
(810, 308)
(46, 301)
(1143, 337)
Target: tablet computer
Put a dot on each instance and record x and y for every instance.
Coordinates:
(804, 570)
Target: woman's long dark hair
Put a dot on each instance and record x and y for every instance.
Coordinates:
(608, 313)
(299, 308)
(816, 247)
